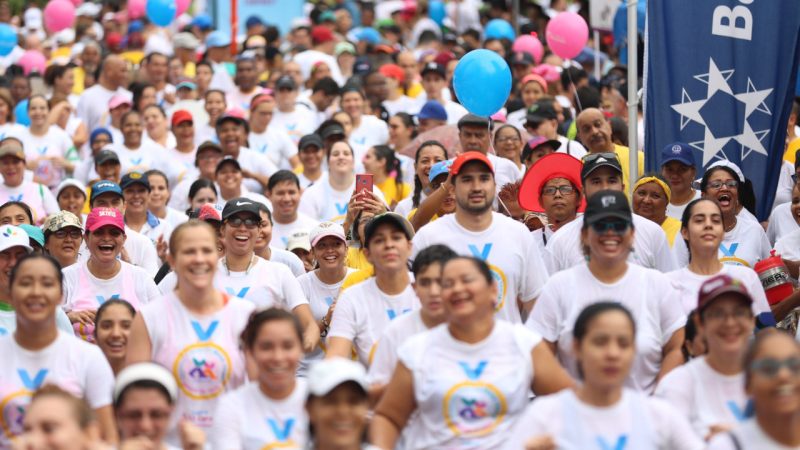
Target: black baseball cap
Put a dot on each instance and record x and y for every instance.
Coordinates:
(206, 146)
(309, 140)
(593, 161)
(434, 67)
(240, 205)
(332, 130)
(226, 161)
(228, 117)
(541, 111)
(129, 179)
(521, 58)
(607, 204)
(106, 155)
(473, 120)
(285, 82)
(391, 218)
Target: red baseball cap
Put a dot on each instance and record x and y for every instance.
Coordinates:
(467, 157)
(554, 165)
(393, 71)
(321, 34)
(537, 78)
(180, 116)
(718, 285)
(100, 217)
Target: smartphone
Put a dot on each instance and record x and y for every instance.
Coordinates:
(363, 182)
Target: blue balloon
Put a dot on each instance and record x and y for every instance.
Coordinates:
(499, 29)
(21, 113)
(161, 12)
(8, 39)
(436, 11)
(482, 81)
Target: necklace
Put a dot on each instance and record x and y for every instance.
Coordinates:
(246, 271)
(733, 225)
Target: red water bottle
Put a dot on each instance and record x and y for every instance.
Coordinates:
(774, 278)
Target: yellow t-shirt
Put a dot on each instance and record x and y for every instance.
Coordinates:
(391, 192)
(135, 57)
(671, 227)
(357, 277)
(189, 70)
(356, 259)
(415, 89)
(623, 154)
(791, 150)
(80, 79)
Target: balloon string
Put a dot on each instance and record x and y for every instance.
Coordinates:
(574, 88)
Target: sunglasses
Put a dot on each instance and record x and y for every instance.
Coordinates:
(770, 367)
(591, 157)
(250, 224)
(618, 227)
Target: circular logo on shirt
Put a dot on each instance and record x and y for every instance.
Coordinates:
(473, 408)
(85, 332)
(734, 261)
(202, 370)
(12, 412)
(502, 284)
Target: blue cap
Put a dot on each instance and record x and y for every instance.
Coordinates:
(678, 151)
(135, 26)
(370, 35)
(432, 110)
(103, 187)
(218, 39)
(97, 132)
(34, 233)
(253, 21)
(439, 168)
(202, 21)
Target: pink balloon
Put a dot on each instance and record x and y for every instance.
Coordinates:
(182, 6)
(136, 9)
(531, 45)
(59, 15)
(77, 3)
(567, 34)
(32, 60)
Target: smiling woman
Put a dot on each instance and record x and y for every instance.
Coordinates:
(651, 198)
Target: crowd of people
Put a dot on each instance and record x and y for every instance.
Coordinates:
(309, 243)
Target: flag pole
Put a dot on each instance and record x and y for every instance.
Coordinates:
(234, 27)
(633, 99)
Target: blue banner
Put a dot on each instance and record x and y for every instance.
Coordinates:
(721, 76)
(272, 12)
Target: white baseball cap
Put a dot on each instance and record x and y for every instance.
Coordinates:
(325, 375)
(145, 371)
(11, 236)
(325, 229)
(299, 240)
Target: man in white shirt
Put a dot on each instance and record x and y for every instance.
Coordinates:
(542, 120)
(323, 94)
(154, 67)
(324, 43)
(284, 192)
(93, 105)
(296, 122)
(267, 140)
(246, 81)
(256, 168)
(475, 136)
(475, 230)
(434, 80)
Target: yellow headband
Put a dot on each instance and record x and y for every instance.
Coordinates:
(664, 186)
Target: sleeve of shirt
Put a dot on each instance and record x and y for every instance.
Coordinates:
(263, 165)
(99, 380)
(292, 292)
(681, 253)
(545, 318)
(151, 290)
(308, 204)
(69, 288)
(676, 427)
(765, 245)
(676, 390)
(149, 259)
(555, 251)
(225, 434)
(385, 359)
(288, 148)
(344, 322)
(534, 274)
(62, 322)
(663, 253)
(49, 201)
(418, 243)
(671, 315)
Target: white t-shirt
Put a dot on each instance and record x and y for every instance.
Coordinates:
(76, 366)
(255, 162)
(372, 131)
(386, 349)
(783, 191)
(749, 435)
(789, 246)
(570, 147)
(364, 311)
(10, 129)
(402, 104)
(275, 144)
(154, 228)
(676, 212)
(187, 160)
(266, 284)
(704, 396)
(540, 238)
(688, 283)
(93, 105)
(651, 248)
(140, 249)
(8, 322)
(406, 205)
(505, 171)
(781, 222)
(203, 353)
(306, 60)
(288, 259)
(281, 232)
(238, 99)
(55, 143)
(37, 196)
(648, 294)
(253, 421)
(322, 202)
(454, 112)
(744, 245)
(296, 124)
(635, 422)
(507, 246)
(83, 291)
(468, 396)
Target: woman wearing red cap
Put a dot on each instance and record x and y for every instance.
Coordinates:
(532, 88)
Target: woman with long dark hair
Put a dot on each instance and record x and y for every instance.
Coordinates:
(428, 154)
(387, 173)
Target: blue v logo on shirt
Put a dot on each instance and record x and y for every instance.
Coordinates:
(473, 373)
(341, 208)
(34, 383)
(15, 198)
(262, 149)
(101, 299)
(729, 251)
(483, 254)
(392, 313)
(741, 414)
(281, 430)
(136, 161)
(41, 150)
(242, 292)
(204, 334)
(361, 140)
(619, 445)
(329, 301)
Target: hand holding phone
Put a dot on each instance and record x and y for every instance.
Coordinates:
(363, 183)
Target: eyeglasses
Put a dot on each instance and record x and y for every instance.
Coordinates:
(770, 367)
(720, 315)
(250, 224)
(563, 190)
(717, 185)
(156, 415)
(618, 227)
(508, 139)
(74, 234)
(591, 157)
